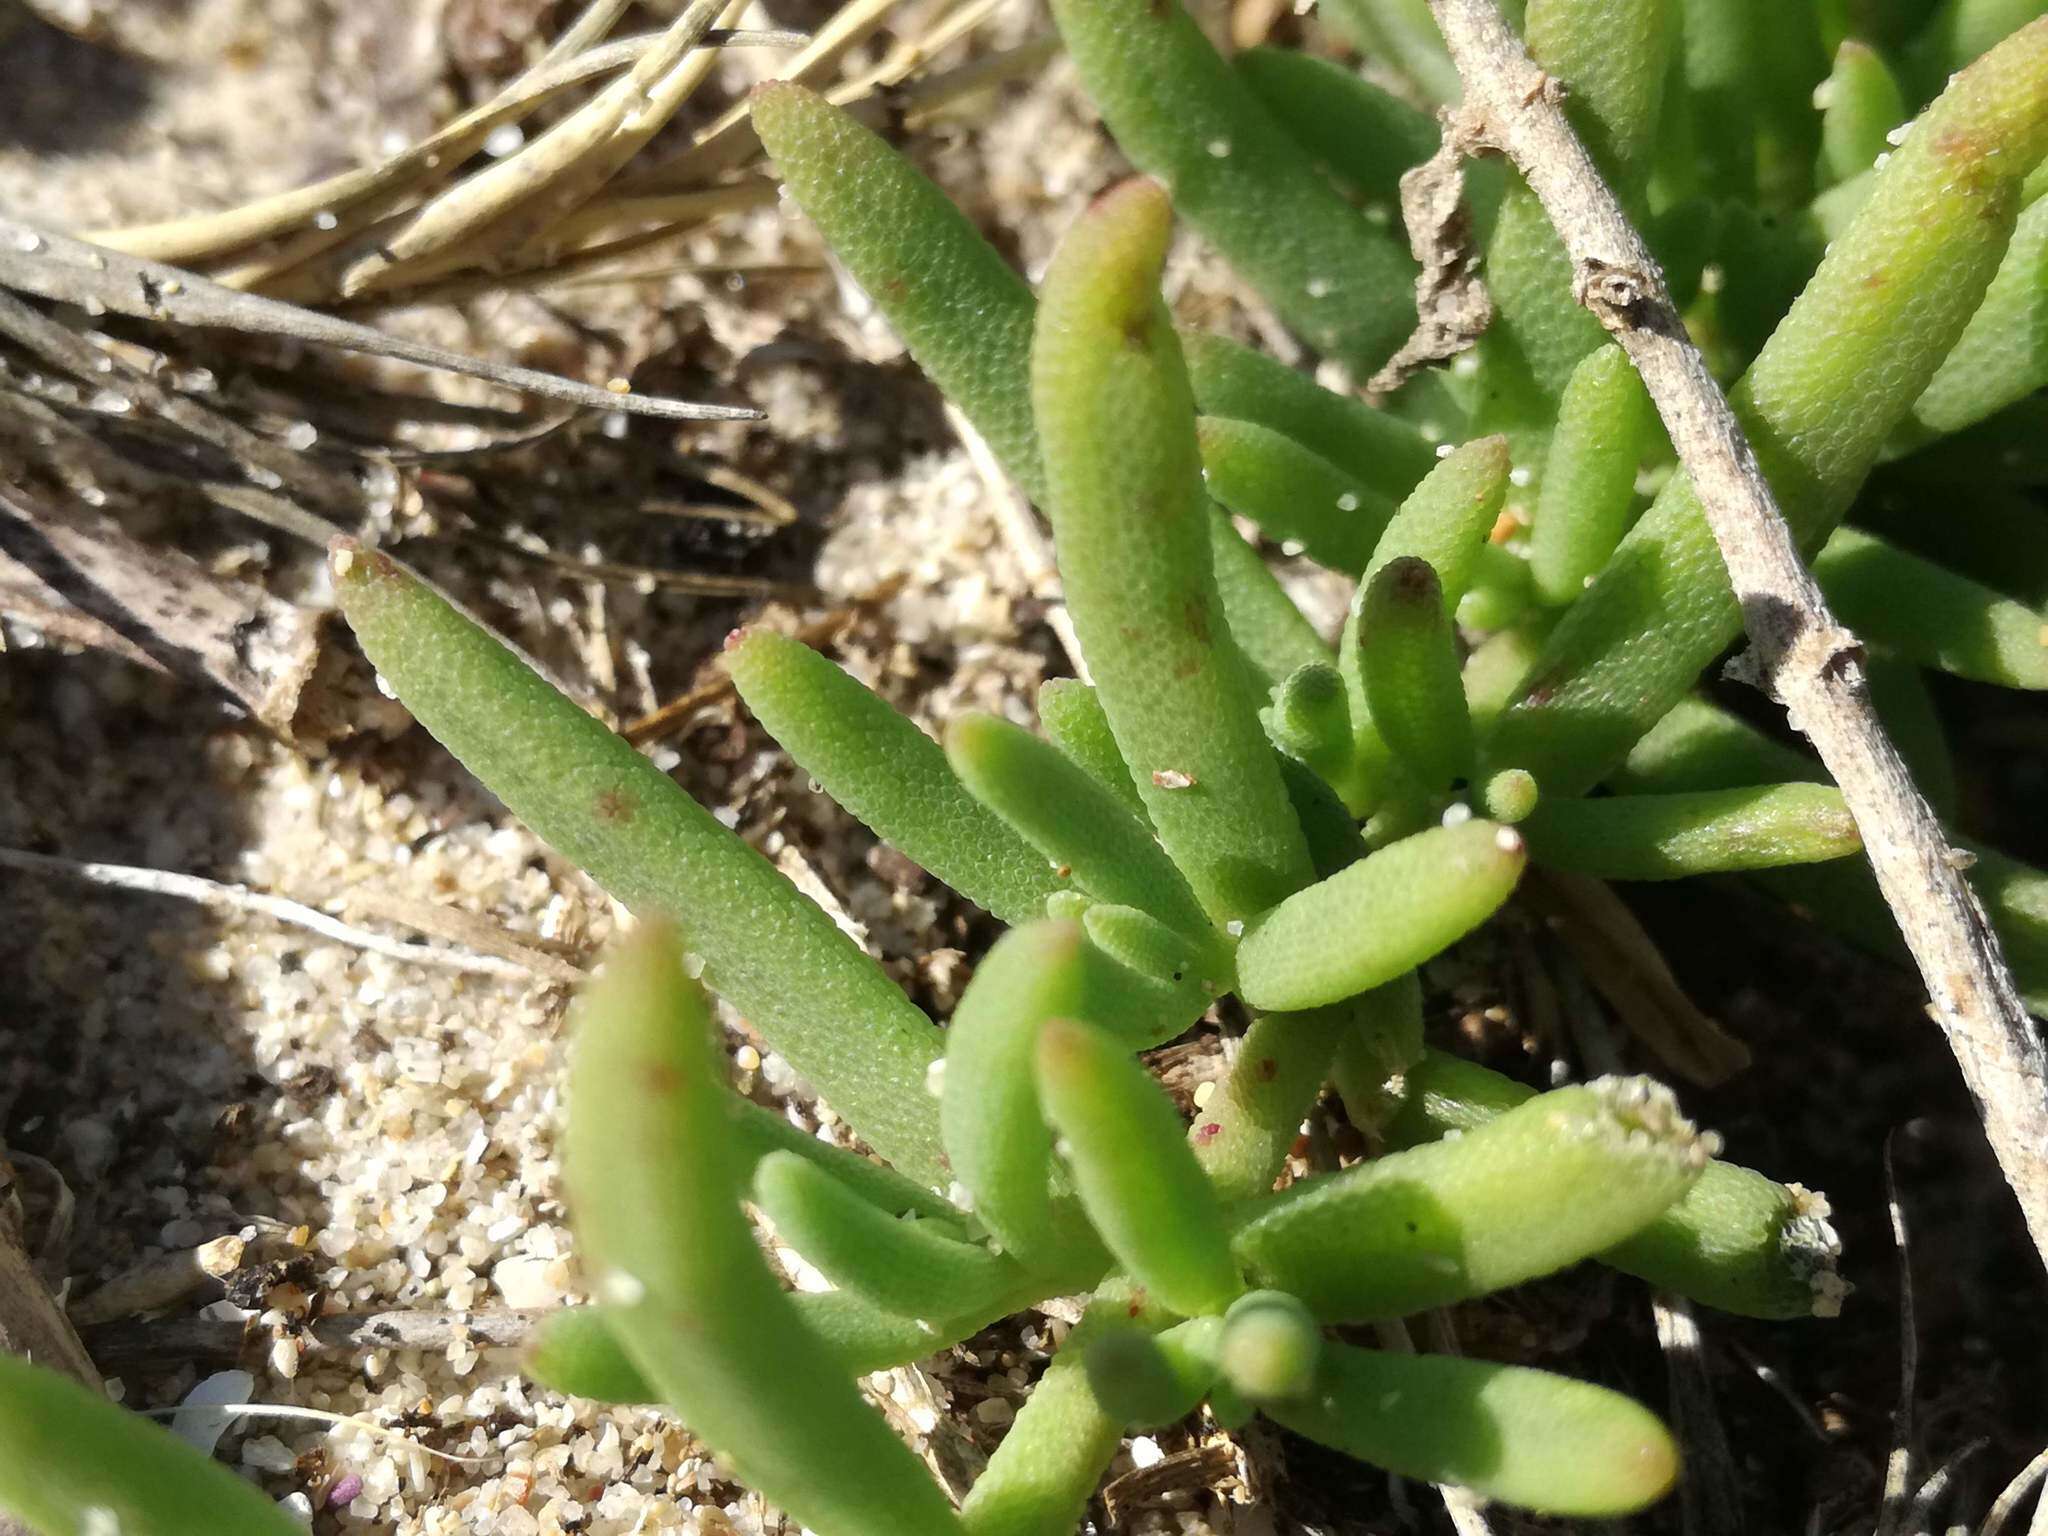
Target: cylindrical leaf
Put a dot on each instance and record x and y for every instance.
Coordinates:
(1071, 820)
(1708, 831)
(1039, 1480)
(1861, 105)
(1841, 370)
(767, 949)
(918, 1268)
(1506, 1432)
(1604, 423)
(1272, 634)
(964, 314)
(1146, 1380)
(1074, 722)
(886, 771)
(1270, 1346)
(74, 1464)
(1384, 915)
(1554, 1181)
(1235, 382)
(1130, 522)
(655, 1194)
(996, 1136)
(1181, 115)
(1444, 521)
(1736, 1240)
(1930, 614)
(1140, 1183)
(1292, 492)
(1360, 134)
(1412, 674)
(1311, 721)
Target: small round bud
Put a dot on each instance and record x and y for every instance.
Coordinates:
(1270, 1347)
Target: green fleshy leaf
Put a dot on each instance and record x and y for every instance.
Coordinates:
(1233, 382)
(1293, 493)
(1699, 745)
(1554, 1181)
(1859, 346)
(1501, 590)
(2002, 355)
(1137, 1178)
(1145, 1380)
(1310, 720)
(74, 1464)
(577, 1350)
(1444, 521)
(918, 1268)
(1604, 424)
(1402, 35)
(1614, 62)
(1703, 832)
(1963, 30)
(1373, 1055)
(1243, 1136)
(1181, 115)
(1931, 615)
(1387, 914)
(1074, 722)
(757, 1131)
(766, 948)
(1038, 1481)
(1736, 1240)
(1270, 1347)
(1142, 943)
(1506, 1432)
(656, 1195)
(887, 772)
(1511, 795)
(1072, 821)
(1412, 677)
(1131, 532)
(1362, 135)
(964, 315)
(1864, 104)
(1273, 635)
(996, 1136)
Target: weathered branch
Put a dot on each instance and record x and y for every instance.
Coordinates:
(1799, 654)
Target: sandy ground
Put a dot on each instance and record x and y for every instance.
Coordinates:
(382, 1133)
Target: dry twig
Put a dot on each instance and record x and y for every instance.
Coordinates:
(1800, 655)
(215, 893)
(97, 280)
(79, 574)
(1452, 305)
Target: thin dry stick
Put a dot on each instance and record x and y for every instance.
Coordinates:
(1801, 655)
(2015, 1495)
(214, 893)
(56, 267)
(1898, 1471)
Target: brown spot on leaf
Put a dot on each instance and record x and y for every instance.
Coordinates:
(615, 806)
(1197, 615)
(1268, 1069)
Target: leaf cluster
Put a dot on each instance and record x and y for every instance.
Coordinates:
(1234, 806)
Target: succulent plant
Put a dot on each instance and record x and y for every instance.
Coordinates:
(1235, 806)
(1232, 806)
